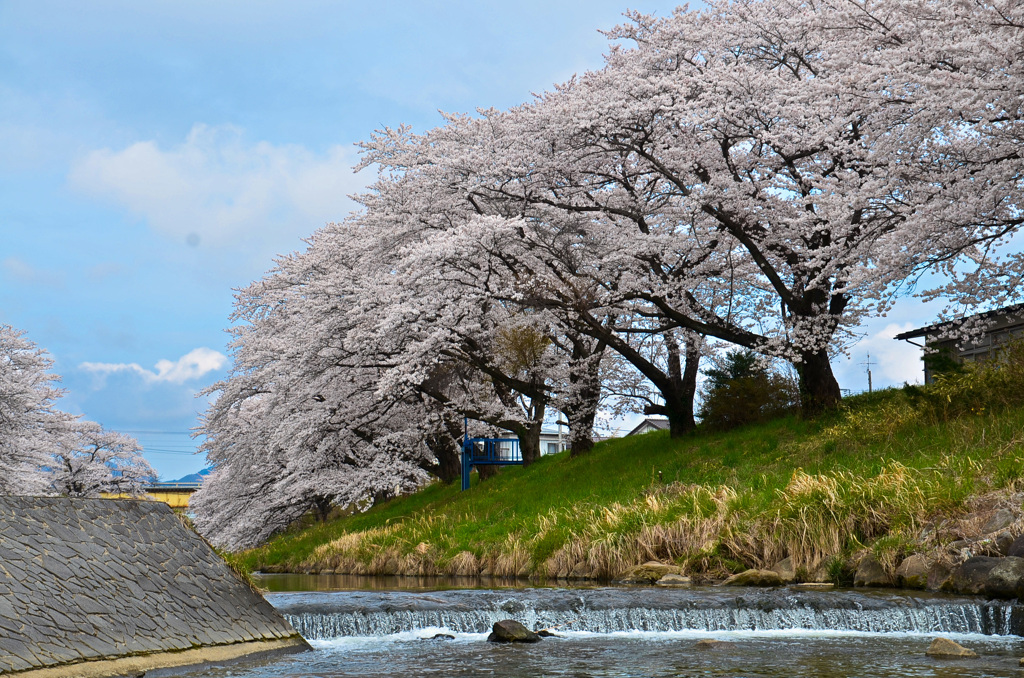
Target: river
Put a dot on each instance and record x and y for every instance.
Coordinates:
(385, 627)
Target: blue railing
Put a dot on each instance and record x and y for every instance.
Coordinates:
(489, 451)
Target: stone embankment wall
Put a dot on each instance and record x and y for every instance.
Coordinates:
(95, 587)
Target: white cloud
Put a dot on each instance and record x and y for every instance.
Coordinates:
(192, 365)
(23, 272)
(216, 189)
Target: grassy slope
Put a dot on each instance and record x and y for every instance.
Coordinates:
(712, 502)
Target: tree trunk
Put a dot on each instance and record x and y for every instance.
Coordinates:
(688, 382)
(584, 397)
(819, 390)
(322, 506)
(581, 433)
(448, 456)
(487, 471)
(529, 442)
(682, 386)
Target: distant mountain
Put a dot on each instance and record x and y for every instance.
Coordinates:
(193, 477)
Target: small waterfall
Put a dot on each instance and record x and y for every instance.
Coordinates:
(333, 615)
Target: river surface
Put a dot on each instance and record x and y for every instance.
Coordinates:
(377, 628)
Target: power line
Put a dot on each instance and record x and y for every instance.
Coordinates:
(168, 433)
(180, 451)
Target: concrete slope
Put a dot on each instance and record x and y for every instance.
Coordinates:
(108, 587)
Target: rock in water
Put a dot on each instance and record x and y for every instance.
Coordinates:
(944, 648)
(649, 573)
(785, 569)
(913, 572)
(440, 636)
(940, 577)
(814, 586)
(754, 578)
(674, 580)
(711, 644)
(993, 577)
(511, 631)
(1006, 579)
(871, 573)
(546, 633)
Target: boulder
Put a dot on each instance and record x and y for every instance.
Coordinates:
(1002, 543)
(820, 575)
(547, 633)
(959, 546)
(939, 577)
(676, 580)
(912, 573)
(440, 636)
(712, 644)
(1006, 579)
(996, 545)
(754, 578)
(971, 576)
(814, 586)
(785, 569)
(944, 648)
(511, 631)
(992, 577)
(583, 570)
(1017, 547)
(1000, 520)
(649, 572)
(871, 573)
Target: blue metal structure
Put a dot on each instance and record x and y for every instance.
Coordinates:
(488, 452)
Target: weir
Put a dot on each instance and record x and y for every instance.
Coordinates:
(334, 615)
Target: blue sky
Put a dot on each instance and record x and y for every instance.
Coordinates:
(155, 155)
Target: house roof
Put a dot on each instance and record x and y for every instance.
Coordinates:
(932, 329)
(661, 424)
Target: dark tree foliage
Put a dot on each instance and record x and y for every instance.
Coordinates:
(744, 391)
(943, 361)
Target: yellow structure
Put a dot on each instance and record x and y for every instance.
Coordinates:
(175, 495)
(175, 498)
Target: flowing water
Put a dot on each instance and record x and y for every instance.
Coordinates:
(619, 632)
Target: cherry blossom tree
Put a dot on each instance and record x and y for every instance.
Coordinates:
(761, 173)
(767, 171)
(46, 451)
(301, 424)
(89, 461)
(28, 392)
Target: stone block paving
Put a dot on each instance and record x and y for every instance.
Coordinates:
(100, 578)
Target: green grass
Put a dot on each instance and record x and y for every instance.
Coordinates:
(867, 476)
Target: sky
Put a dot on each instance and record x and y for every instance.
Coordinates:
(154, 156)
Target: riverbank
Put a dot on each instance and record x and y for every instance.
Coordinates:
(925, 471)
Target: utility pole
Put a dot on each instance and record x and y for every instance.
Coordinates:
(868, 363)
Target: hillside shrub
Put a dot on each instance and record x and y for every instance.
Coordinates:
(745, 391)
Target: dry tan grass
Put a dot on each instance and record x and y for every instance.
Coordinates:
(815, 518)
(464, 564)
(513, 560)
(422, 561)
